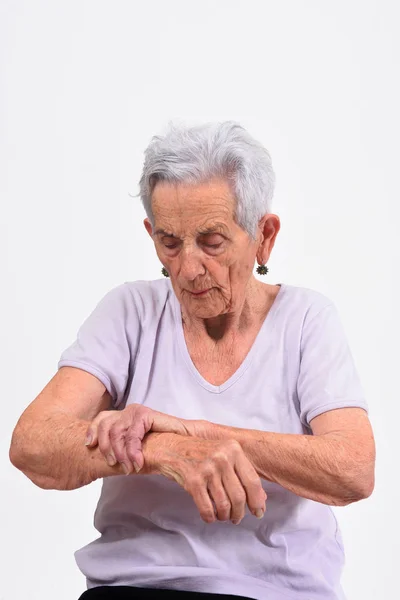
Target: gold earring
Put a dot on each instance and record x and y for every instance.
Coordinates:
(164, 272)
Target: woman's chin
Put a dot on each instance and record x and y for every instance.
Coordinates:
(203, 314)
(203, 309)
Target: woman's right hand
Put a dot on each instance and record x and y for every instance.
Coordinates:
(216, 472)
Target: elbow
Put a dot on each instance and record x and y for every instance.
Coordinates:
(21, 457)
(364, 475)
(349, 494)
(364, 487)
(367, 486)
(357, 487)
(357, 474)
(42, 481)
(352, 479)
(16, 452)
(24, 460)
(21, 462)
(354, 494)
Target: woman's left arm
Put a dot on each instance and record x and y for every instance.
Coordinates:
(334, 466)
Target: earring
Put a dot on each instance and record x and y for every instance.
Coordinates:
(164, 272)
(262, 269)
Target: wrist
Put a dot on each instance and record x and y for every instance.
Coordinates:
(203, 429)
(154, 446)
(217, 432)
(98, 466)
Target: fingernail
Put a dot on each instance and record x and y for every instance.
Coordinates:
(236, 521)
(259, 513)
(136, 466)
(88, 439)
(111, 460)
(126, 469)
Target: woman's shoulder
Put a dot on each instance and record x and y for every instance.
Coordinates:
(157, 289)
(305, 301)
(146, 297)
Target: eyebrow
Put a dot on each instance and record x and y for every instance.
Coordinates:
(214, 229)
(163, 232)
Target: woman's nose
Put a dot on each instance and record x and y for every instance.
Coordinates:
(191, 265)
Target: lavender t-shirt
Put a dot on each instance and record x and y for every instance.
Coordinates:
(299, 366)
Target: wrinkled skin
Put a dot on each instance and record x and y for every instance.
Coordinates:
(203, 249)
(215, 472)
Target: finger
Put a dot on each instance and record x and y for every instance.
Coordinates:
(91, 431)
(118, 446)
(103, 440)
(133, 446)
(133, 440)
(251, 483)
(235, 492)
(197, 488)
(219, 496)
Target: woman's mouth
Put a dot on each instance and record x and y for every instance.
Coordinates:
(200, 293)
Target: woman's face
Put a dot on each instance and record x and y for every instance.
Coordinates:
(209, 258)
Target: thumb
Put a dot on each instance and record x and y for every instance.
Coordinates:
(167, 423)
(91, 435)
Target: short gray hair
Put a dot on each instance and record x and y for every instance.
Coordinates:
(196, 154)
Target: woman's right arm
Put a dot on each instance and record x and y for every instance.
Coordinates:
(48, 442)
(48, 446)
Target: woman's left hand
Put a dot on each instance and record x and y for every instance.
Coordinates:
(119, 433)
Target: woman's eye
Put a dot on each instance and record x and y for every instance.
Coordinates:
(170, 243)
(215, 246)
(213, 242)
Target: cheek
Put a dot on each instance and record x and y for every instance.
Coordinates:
(241, 265)
(239, 274)
(219, 271)
(247, 266)
(248, 260)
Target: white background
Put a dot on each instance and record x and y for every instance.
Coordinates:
(84, 86)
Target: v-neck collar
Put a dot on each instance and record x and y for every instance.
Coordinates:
(266, 325)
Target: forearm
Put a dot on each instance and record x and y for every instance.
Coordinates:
(322, 468)
(53, 454)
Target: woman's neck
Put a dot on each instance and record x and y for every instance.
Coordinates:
(248, 313)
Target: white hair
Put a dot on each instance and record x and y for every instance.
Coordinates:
(196, 154)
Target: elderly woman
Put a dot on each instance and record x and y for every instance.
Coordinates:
(224, 414)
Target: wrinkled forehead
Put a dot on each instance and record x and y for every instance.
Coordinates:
(182, 208)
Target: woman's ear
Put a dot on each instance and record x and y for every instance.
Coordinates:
(148, 227)
(270, 225)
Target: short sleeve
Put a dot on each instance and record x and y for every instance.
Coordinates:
(106, 342)
(328, 378)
